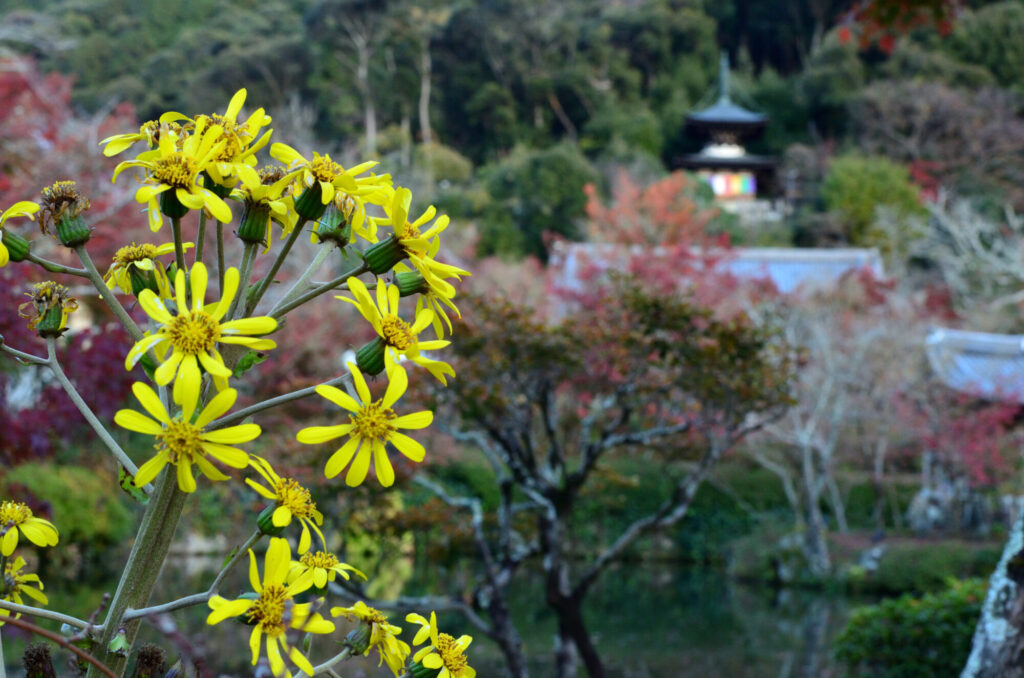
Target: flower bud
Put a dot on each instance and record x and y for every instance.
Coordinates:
(358, 640)
(417, 670)
(49, 308)
(253, 228)
(170, 206)
(310, 204)
(143, 280)
(410, 283)
(382, 256)
(62, 208)
(265, 521)
(370, 358)
(333, 227)
(218, 190)
(17, 247)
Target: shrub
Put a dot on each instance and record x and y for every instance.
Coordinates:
(911, 637)
(856, 186)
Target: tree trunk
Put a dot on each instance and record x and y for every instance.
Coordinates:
(507, 635)
(997, 650)
(425, 70)
(571, 630)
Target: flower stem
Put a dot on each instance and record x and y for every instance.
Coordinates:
(201, 236)
(54, 267)
(83, 407)
(341, 656)
(220, 255)
(107, 294)
(244, 274)
(318, 260)
(142, 569)
(281, 309)
(3, 662)
(240, 415)
(179, 247)
(281, 256)
(43, 613)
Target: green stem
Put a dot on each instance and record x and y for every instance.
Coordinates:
(54, 267)
(281, 309)
(281, 256)
(240, 415)
(3, 662)
(201, 236)
(107, 294)
(244, 274)
(83, 407)
(220, 254)
(318, 260)
(43, 613)
(179, 246)
(143, 567)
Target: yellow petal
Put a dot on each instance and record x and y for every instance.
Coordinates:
(134, 421)
(341, 457)
(339, 398)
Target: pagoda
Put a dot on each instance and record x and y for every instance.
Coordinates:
(733, 173)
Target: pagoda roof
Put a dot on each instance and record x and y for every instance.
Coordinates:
(986, 365)
(724, 113)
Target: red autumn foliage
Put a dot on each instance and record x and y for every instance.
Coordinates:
(882, 21)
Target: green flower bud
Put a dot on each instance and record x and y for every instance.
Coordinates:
(333, 227)
(382, 256)
(143, 280)
(417, 670)
(215, 188)
(170, 206)
(410, 283)
(370, 358)
(310, 204)
(253, 228)
(62, 208)
(265, 521)
(17, 247)
(358, 640)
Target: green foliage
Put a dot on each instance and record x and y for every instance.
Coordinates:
(856, 186)
(633, 124)
(85, 511)
(990, 37)
(533, 192)
(444, 163)
(911, 637)
(832, 78)
(925, 566)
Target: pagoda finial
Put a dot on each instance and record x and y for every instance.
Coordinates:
(723, 78)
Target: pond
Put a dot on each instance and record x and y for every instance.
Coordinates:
(649, 621)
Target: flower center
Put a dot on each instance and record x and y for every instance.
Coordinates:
(268, 610)
(374, 421)
(13, 512)
(451, 653)
(234, 136)
(325, 169)
(295, 498)
(319, 559)
(132, 253)
(182, 440)
(194, 332)
(396, 332)
(409, 231)
(177, 171)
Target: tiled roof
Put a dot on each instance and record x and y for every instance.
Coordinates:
(986, 365)
(789, 269)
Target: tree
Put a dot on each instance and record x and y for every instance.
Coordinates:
(548, 406)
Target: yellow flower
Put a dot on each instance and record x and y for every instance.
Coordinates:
(150, 131)
(16, 517)
(141, 260)
(240, 143)
(324, 566)
(274, 611)
(182, 441)
(430, 298)
(192, 335)
(292, 500)
(170, 168)
(24, 208)
(372, 424)
(421, 246)
(14, 583)
(263, 193)
(49, 309)
(444, 652)
(327, 174)
(382, 634)
(399, 336)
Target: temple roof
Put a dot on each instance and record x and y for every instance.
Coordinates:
(985, 365)
(724, 114)
(788, 269)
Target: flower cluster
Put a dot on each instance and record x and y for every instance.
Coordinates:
(201, 333)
